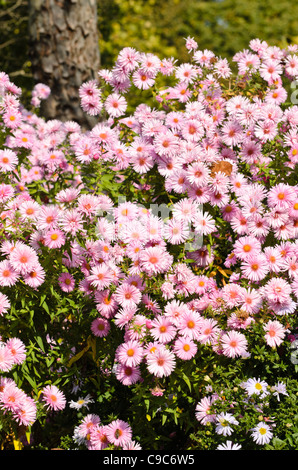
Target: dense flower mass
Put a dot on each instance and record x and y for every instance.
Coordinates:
(153, 249)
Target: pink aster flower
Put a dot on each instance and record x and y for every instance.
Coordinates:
(6, 358)
(250, 300)
(54, 238)
(232, 133)
(162, 329)
(6, 192)
(53, 398)
(209, 331)
(29, 210)
(23, 258)
(277, 290)
(142, 163)
(203, 57)
(149, 62)
(67, 195)
(8, 276)
(12, 118)
(184, 210)
(82, 432)
(246, 246)
(185, 348)
(11, 397)
(4, 304)
(192, 129)
(155, 260)
(124, 316)
(181, 92)
(41, 90)
(126, 212)
(35, 277)
(266, 130)
(255, 267)
(191, 44)
(115, 105)
(105, 303)
(258, 226)
(127, 295)
(143, 79)
(278, 96)
(176, 231)
(233, 344)
(270, 70)
(285, 231)
(186, 73)
(128, 58)
(275, 333)
(66, 282)
(174, 309)
(8, 160)
(48, 217)
(204, 224)
(291, 65)
(161, 363)
(291, 266)
(128, 375)
(98, 437)
(277, 218)
(132, 445)
(100, 327)
(130, 353)
(293, 212)
(89, 88)
(101, 276)
(84, 149)
(88, 204)
(281, 196)
(203, 412)
(222, 68)
(91, 105)
(274, 259)
(119, 432)
(26, 412)
(189, 324)
(231, 294)
(166, 143)
(17, 349)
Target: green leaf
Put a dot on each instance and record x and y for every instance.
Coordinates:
(31, 382)
(186, 380)
(40, 343)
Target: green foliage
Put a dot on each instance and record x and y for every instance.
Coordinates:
(14, 45)
(161, 27)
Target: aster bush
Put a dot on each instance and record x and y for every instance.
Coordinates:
(149, 266)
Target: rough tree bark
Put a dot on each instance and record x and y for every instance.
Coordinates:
(64, 53)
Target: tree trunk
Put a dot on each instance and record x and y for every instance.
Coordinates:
(64, 53)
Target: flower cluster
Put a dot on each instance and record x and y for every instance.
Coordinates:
(190, 245)
(17, 403)
(254, 392)
(96, 436)
(13, 400)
